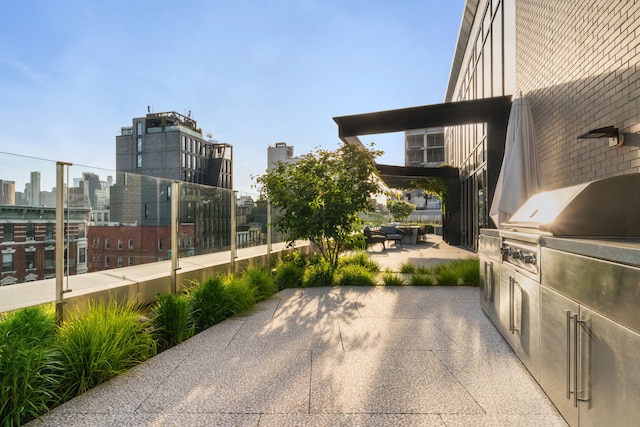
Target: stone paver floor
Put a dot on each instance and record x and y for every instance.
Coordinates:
(347, 356)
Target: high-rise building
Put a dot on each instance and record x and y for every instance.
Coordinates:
(32, 190)
(170, 145)
(280, 153)
(7, 192)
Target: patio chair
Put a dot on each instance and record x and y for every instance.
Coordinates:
(371, 238)
(391, 233)
(422, 232)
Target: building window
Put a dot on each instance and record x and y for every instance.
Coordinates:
(139, 128)
(119, 261)
(139, 161)
(106, 261)
(49, 259)
(130, 260)
(7, 261)
(130, 243)
(106, 217)
(159, 243)
(31, 259)
(49, 231)
(106, 243)
(119, 243)
(139, 144)
(82, 255)
(8, 233)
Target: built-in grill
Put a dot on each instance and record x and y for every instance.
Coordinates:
(561, 282)
(604, 209)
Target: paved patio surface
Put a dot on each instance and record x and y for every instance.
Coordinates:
(409, 356)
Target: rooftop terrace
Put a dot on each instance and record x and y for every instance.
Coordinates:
(333, 356)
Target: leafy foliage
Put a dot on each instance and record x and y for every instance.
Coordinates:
(399, 209)
(361, 258)
(29, 366)
(211, 303)
(172, 319)
(322, 194)
(289, 274)
(354, 275)
(391, 279)
(100, 343)
(261, 280)
(318, 273)
(241, 294)
(437, 187)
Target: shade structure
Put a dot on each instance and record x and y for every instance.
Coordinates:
(519, 176)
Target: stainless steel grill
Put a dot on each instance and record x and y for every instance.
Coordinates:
(560, 282)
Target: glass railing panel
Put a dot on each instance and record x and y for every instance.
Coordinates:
(116, 220)
(27, 219)
(204, 219)
(251, 220)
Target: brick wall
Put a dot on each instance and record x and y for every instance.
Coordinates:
(578, 63)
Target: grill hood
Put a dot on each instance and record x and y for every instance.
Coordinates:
(608, 207)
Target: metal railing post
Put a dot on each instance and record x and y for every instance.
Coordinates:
(232, 263)
(60, 238)
(175, 229)
(269, 234)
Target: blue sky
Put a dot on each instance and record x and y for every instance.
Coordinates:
(251, 72)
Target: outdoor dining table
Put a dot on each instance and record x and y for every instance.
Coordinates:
(410, 234)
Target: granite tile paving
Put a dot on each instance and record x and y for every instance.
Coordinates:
(407, 356)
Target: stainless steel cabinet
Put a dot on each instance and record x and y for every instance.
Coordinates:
(589, 364)
(557, 351)
(609, 372)
(519, 316)
(489, 282)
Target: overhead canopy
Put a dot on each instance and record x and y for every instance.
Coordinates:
(493, 111)
(403, 177)
(426, 116)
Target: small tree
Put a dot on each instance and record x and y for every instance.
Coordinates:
(321, 195)
(399, 209)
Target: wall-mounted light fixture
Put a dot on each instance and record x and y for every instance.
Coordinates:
(613, 135)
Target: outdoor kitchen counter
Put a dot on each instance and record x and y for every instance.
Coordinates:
(625, 251)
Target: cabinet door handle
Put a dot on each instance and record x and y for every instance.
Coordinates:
(578, 369)
(490, 285)
(486, 281)
(568, 362)
(511, 320)
(575, 360)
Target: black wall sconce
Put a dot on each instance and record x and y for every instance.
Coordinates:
(613, 135)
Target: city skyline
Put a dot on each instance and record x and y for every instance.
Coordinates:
(251, 74)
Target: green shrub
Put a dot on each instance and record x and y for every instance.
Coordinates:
(211, 303)
(356, 242)
(468, 270)
(242, 295)
(29, 365)
(360, 258)
(172, 320)
(421, 280)
(354, 275)
(407, 268)
(391, 279)
(262, 281)
(101, 342)
(295, 257)
(288, 275)
(319, 273)
(447, 277)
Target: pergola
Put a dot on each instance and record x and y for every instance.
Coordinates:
(492, 111)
